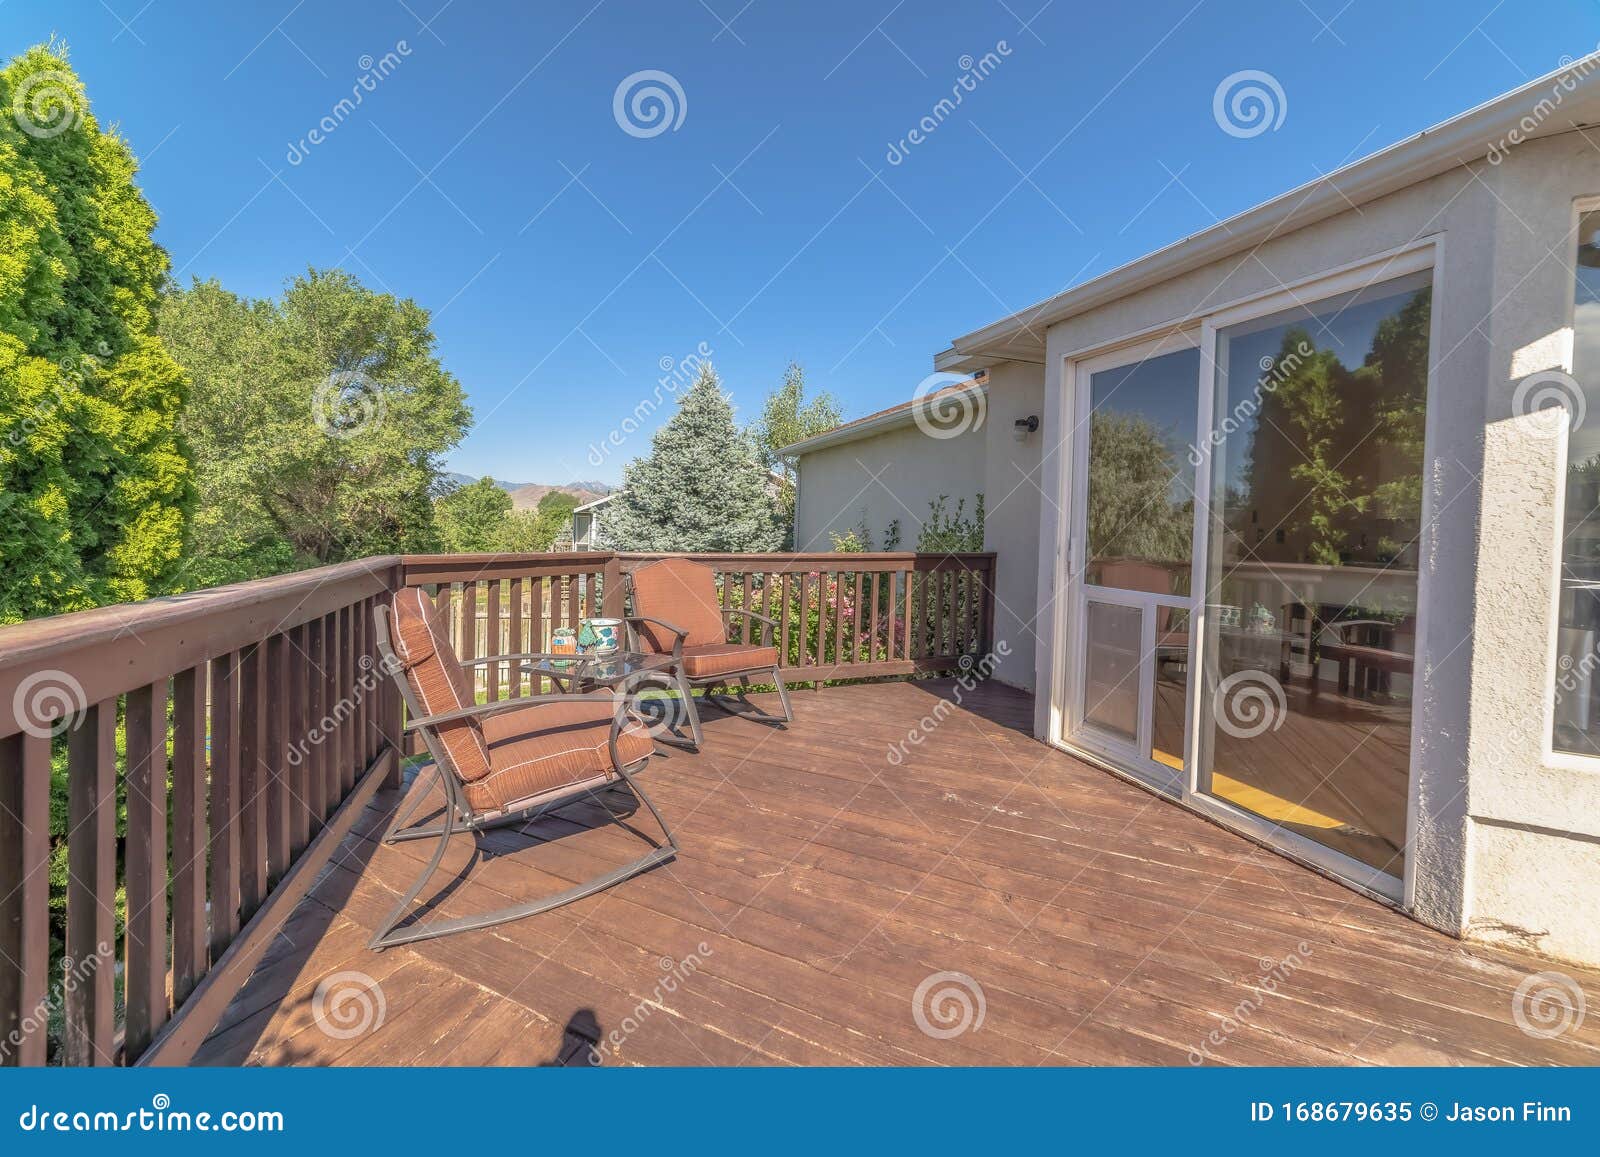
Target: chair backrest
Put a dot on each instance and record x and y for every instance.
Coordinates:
(682, 593)
(437, 681)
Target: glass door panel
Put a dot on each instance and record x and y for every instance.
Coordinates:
(1113, 637)
(1136, 475)
(1311, 584)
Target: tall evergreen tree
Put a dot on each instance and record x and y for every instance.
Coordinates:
(94, 479)
(700, 489)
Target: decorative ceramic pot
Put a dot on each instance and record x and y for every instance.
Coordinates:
(607, 635)
(564, 641)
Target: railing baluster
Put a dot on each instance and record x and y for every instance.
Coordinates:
(89, 1012)
(783, 621)
(329, 747)
(24, 896)
(188, 831)
(252, 851)
(350, 673)
(299, 769)
(316, 707)
(225, 818)
(536, 639)
(145, 944)
(276, 771)
(514, 642)
(492, 671)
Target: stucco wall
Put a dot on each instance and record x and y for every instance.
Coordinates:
(1012, 491)
(893, 475)
(1496, 821)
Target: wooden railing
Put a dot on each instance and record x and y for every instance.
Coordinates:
(839, 616)
(251, 723)
(217, 746)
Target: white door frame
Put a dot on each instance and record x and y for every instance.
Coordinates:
(1134, 758)
(1421, 254)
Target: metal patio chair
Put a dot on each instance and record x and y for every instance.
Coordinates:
(503, 763)
(676, 612)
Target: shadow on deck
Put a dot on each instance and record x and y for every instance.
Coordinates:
(988, 900)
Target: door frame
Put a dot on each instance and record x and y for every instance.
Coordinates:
(1421, 254)
(1074, 727)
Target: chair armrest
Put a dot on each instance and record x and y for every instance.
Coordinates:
(519, 656)
(677, 643)
(766, 631)
(481, 710)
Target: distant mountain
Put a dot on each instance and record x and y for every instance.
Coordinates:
(526, 495)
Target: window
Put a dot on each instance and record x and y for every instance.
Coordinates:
(1576, 725)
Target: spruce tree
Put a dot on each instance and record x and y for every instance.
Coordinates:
(701, 487)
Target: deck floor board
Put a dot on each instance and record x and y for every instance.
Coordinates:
(821, 883)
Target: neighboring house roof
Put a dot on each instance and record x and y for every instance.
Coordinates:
(1560, 102)
(597, 502)
(902, 415)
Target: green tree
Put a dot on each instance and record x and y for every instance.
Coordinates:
(94, 481)
(472, 518)
(786, 418)
(1132, 511)
(701, 487)
(318, 422)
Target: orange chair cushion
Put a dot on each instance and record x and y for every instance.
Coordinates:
(422, 644)
(723, 658)
(682, 593)
(542, 749)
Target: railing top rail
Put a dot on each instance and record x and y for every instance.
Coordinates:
(23, 643)
(111, 650)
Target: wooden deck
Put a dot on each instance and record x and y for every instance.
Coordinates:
(821, 884)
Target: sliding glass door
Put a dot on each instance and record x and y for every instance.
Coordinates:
(1132, 598)
(1315, 498)
(1245, 509)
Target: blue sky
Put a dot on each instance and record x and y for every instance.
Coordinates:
(565, 258)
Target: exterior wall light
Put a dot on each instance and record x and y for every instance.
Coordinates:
(1022, 427)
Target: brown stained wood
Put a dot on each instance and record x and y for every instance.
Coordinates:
(514, 640)
(905, 614)
(349, 692)
(538, 600)
(783, 649)
(820, 884)
(327, 727)
(145, 943)
(276, 771)
(840, 585)
(188, 807)
(91, 950)
(252, 780)
(24, 896)
(872, 622)
(749, 634)
(223, 815)
(494, 646)
(467, 625)
(176, 1045)
(317, 802)
(298, 769)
